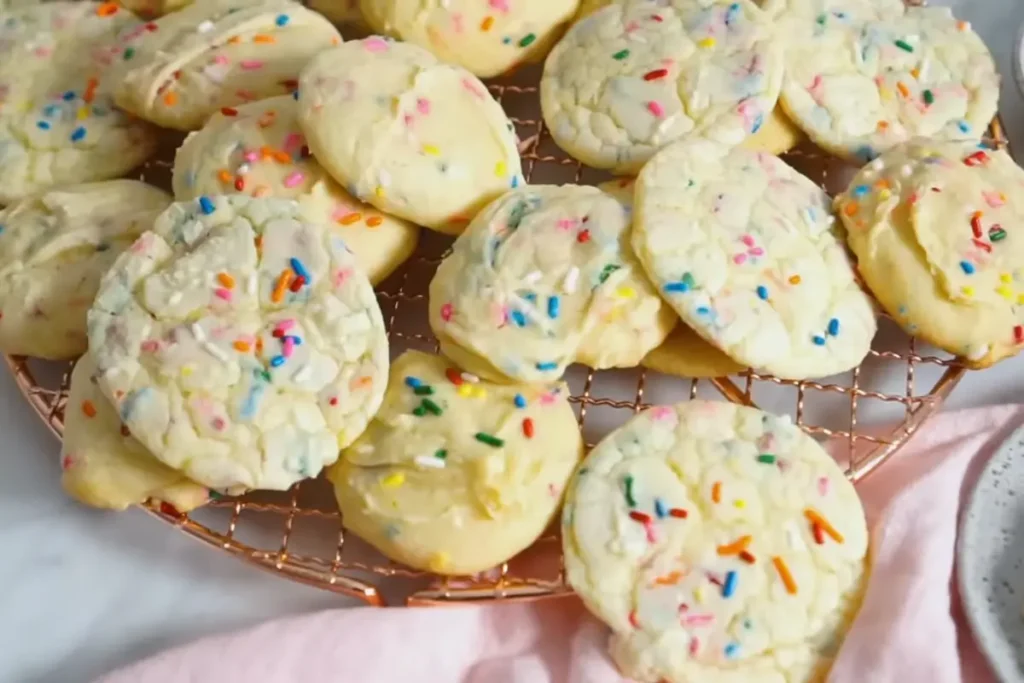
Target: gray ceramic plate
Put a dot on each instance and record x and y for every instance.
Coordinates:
(990, 560)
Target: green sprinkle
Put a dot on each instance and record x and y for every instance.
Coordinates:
(265, 374)
(688, 279)
(621, 54)
(607, 272)
(929, 98)
(129, 52)
(424, 391)
(431, 407)
(489, 440)
(441, 454)
(419, 411)
(904, 45)
(630, 500)
(997, 234)
(214, 495)
(822, 18)
(527, 40)
(766, 458)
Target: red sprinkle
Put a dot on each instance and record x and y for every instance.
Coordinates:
(169, 509)
(1018, 334)
(984, 246)
(297, 284)
(633, 620)
(976, 159)
(655, 75)
(747, 557)
(976, 223)
(229, 111)
(657, 18)
(239, 183)
(679, 512)
(454, 376)
(151, 27)
(528, 428)
(583, 237)
(639, 517)
(819, 535)
(334, 401)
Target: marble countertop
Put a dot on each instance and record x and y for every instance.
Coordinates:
(85, 592)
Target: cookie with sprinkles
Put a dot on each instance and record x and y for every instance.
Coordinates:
(745, 249)
(456, 475)
(860, 80)
(176, 71)
(104, 466)
(259, 149)
(54, 249)
(58, 125)
(240, 342)
(487, 37)
(934, 227)
(639, 74)
(542, 278)
(719, 543)
(416, 138)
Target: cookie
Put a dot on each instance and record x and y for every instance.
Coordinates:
(339, 11)
(54, 249)
(934, 228)
(58, 125)
(178, 70)
(240, 343)
(686, 354)
(154, 8)
(486, 38)
(259, 149)
(416, 138)
(744, 249)
(456, 475)
(860, 82)
(105, 467)
(637, 75)
(719, 543)
(542, 278)
(778, 135)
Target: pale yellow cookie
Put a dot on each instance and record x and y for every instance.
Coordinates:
(456, 475)
(686, 354)
(777, 136)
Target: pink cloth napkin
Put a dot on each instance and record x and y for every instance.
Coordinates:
(910, 628)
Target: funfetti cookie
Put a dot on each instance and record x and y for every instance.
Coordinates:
(934, 226)
(859, 81)
(103, 465)
(544, 277)
(637, 75)
(719, 543)
(258, 149)
(487, 37)
(54, 249)
(456, 475)
(240, 342)
(178, 70)
(58, 125)
(744, 249)
(416, 138)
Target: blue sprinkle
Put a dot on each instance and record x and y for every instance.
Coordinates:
(730, 584)
(703, 310)
(867, 154)
(295, 95)
(659, 508)
(546, 366)
(758, 122)
(2, 228)
(77, 134)
(43, 125)
(677, 288)
(277, 361)
(964, 127)
(206, 205)
(515, 182)
(861, 190)
(531, 297)
(762, 292)
(252, 399)
(413, 382)
(295, 340)
(968, 267)
(731, 650)
(553, 306)
(833, 326)
(518, 318)
(820, 341)
(69, 95)
(300, 269)
(506, 40)
(51, 110)
(520, 401)
(282, 20)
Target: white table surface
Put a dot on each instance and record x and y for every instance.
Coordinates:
(84, 592)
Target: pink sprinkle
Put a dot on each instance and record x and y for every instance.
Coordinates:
(294, 179)
(699, 619)
(994, 199)
(341, 275)
(447, 311)
(816, 83)
(547, 398)
(661, 412)
(340, 211)
(656, 108)
(499, 5)
(292, 141)
(150, 346)
(457, 23)
(375, 44)
(251, 64)
(566, 224)
(652, 533)
(823, 483)
(409, 119)
(285, 325)
(218, 424)
(66, 463)
(423, 106)
(223, 293)
(738, 259)
(632, 26)
(757, 251)
(747, 240)
(221, 59)
(472, 87)
(251, 156)
(694, 646)
(287, 347)
(247, 95)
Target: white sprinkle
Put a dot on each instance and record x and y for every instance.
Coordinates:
(302, 374)
(470, 377)
(174, 299)
(571, 278)
(384, 178)
(250, 285)
(793, 536)
(364, 449)
(146, 329)
(216, 352)
(924, 70)
(430, 461)
(877, 165)
(198, 333)
(906, 170)
(532, 278)
(244, 169)
(205, 27)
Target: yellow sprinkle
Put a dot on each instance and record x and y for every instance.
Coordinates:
(885, 93)
(83, 113)
(1006, 277)
(500, 169)
(967, 291)
(487, 23)
(740, 504)
(1005, 291)
(706, 42)
(698, 595)
(186, 371)
(393, 481)
(480, 392)
(1020, 299)
(431, 150)
(625, 292)
(915, 72)
(884, 194)
(379, 191)
(439, 562)
(465, 390)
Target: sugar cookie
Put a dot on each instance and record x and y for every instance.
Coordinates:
(178, 70)
(259, 149)
(935, 227)
(240, 343)
(743, 247)
(719, 543)
(457, 475)
(634, 76)
(338, 11)
(418, 139)
(778, 135)
(542, 278)
(54, 248)
(57, 122)
(486, 38)
(860, 82)
(104, 466)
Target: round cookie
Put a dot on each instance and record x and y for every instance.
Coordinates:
(416, 138)
(154, 8)
(54, 249)
(486, 38)
(339, 11)
(457, 475)
(240, 343)
(934, 226)
(744, 248)
(860, 82)
(104, 466)
(58, 125)
(719, 543)
(778, 135)
(178, 70)
(542, 278)
(259, 149)
(637, 75)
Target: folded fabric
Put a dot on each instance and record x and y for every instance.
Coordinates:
(909, 629)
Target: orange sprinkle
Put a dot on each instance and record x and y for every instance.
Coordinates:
(242, 346)
(259, 344)
(851, 209)
(234, 40)
(224, 176)
(669, 579)
(107, 9)
(904, 90)
(259, 244)
(716, 492)
(261, 191)
(794, 280)
(374, 221)
(226, 280)
(363, 381)
(90, 90)
(266, 152)
(89, 409)
(736, 547)
(283, 280)
(350, 218)
(883, 125)
(262, 38)
(170, 98)
(784, 574)
(883, 184)
(282, 157)
(915, 72)
(487, 23)
(814, 518)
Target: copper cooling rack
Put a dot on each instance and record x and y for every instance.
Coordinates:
(863, 416)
